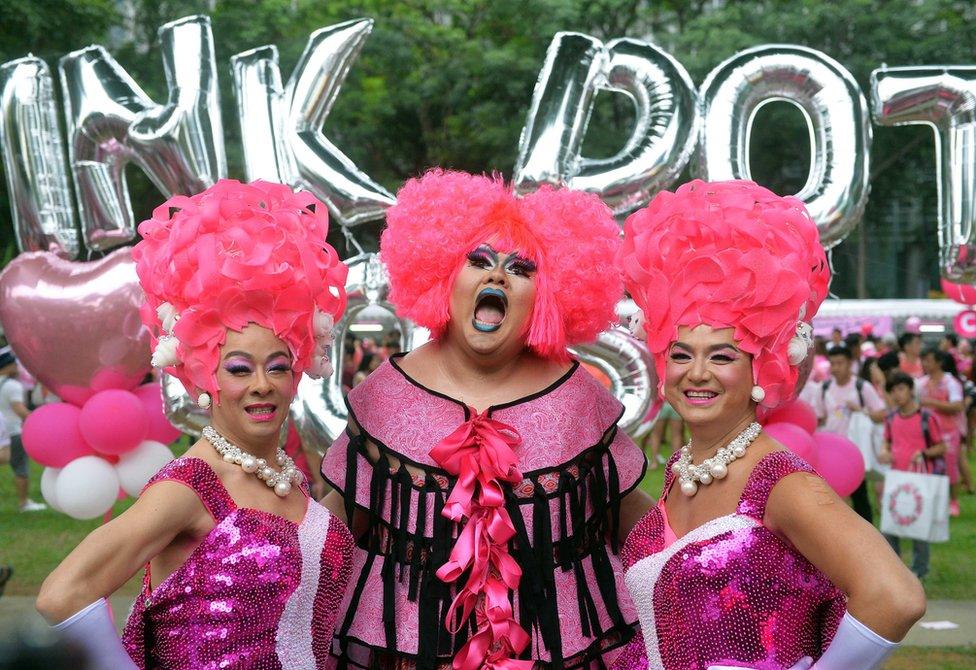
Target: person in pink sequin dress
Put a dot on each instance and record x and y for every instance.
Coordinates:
(748, 560)
(240, 573)
(484, 472)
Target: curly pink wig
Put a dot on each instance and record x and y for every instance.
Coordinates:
(570, 236)
(728, 255)
(232, 255)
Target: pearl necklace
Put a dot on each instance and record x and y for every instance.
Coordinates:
(279, 481)
(715, 467)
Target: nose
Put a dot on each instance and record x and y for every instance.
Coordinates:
(497, 275)
(262, 383)
(699, 371)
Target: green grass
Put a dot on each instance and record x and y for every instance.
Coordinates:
(932, 658)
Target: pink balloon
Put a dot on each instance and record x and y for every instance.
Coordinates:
(963, 293)
(794, 438)
(113, 422)
(913, 324)
(76, 326)
(52, 437)
(796, 412)
(839, 462)
(160, 429)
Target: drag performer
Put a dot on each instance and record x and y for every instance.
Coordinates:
(750, 560)
(243, 568)
(484, 473)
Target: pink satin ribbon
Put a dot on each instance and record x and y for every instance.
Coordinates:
(480, 454)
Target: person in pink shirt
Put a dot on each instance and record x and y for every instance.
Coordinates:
(942, 393)
(910, 345)
(912, 441)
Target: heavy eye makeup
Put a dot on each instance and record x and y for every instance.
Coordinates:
(483, 257)
(279, 364)
(519, 266)
(238, 366)
(723, 354)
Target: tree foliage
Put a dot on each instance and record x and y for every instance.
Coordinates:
(449, 82)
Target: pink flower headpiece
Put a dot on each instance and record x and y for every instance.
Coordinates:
(729, 255)
(232, 255)
(570, 236)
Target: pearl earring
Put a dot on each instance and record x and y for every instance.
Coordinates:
(204, 400)
(758, 394)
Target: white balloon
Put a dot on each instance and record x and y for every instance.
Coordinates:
(49, 480)
(87, 487)
(138, 466)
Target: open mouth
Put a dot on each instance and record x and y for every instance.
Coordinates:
(489, 310)
(261, 411)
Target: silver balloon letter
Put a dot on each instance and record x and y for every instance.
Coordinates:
(836, 189)
(662, 139)
(111, 121)
(281, 126)
(31, 142)
(943, 98)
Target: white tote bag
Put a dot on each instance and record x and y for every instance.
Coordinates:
(862, 431)
(915, 505)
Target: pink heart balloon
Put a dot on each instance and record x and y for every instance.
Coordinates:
(76, 326)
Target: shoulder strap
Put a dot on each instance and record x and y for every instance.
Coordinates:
(767, 473)
(823, 389)
(197, 475)
(859, 385)
(669, 475)
(925, 428)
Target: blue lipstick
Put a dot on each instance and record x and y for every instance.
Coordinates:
(481, 326)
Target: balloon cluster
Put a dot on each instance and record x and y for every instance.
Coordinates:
(836, 458)
(101, 450)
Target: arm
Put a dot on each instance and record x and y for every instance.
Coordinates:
(632, 508)
(882, 593)
(937, 449)
(112, 553)
(884, 456)
(20, 409)
(948, 407)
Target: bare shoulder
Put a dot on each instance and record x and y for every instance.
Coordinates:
(416, 361)
(801, 497)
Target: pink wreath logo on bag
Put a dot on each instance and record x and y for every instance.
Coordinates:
(912, 498)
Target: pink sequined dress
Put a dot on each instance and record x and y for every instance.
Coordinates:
(258, 593)
(729, 592)
(574, 469)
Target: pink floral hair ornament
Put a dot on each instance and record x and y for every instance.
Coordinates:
(729, 255)
(236, 254)
(570, 236)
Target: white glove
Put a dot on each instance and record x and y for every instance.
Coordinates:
(854, 647)
(93, 631)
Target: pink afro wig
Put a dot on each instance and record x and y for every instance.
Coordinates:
(232, 255)
(728, 255)
(570, 236)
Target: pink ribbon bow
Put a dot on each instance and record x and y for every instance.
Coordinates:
(480, 454)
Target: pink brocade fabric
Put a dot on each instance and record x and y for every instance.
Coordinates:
(560, 456)
(259, 592)
(730, 592)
